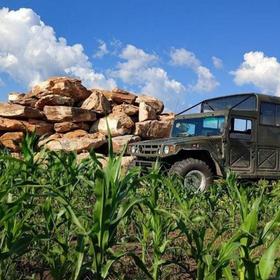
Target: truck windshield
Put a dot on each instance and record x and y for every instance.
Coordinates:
(207, 126)
(240, 102)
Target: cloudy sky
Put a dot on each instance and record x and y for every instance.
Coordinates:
(180, 51)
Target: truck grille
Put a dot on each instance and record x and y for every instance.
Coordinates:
(148, 149)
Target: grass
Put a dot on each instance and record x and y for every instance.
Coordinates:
(64, 219)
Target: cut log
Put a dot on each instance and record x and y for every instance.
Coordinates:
(19, 111)
(63, 86)
(153, 129)
(39, 127)
(75, 134)
(120, 96)
(12, 140)
(44, 139)
(54, 100)
(80, 143)
(152, 101)
(68, 126)
(146, 112)
(12, 125)
(97, 102)
(68, 114)
(118, 124)
(36, 126)
(128, 109)
(21, 99)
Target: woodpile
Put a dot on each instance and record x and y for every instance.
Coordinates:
(67, 116)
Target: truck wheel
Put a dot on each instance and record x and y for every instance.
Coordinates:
(196, 173)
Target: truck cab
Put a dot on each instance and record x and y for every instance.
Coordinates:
(238, 132)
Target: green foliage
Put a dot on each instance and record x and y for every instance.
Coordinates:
(155, 227)
(61, 218)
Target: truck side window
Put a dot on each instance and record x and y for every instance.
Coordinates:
(241, 128)
(268, 113)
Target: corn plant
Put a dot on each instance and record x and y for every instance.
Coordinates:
(16, 211)
(250, 235)
(95, 231)
(193, 223)
(65, 219)
(154, 228)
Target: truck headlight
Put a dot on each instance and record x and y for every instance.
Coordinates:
(166, 150)
(133, 149)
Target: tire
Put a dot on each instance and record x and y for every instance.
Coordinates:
(196, 173)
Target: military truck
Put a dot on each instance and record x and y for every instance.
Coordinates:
(236, 132)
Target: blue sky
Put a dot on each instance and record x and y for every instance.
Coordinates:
(175, 42)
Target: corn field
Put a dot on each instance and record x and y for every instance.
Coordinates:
(65, 219)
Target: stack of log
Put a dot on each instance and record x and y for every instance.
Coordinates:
(67, 116)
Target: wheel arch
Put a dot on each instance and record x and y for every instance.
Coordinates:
(203, 155)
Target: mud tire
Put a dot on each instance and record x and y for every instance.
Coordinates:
(194, 167)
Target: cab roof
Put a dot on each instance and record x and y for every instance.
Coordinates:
(259, 96)
(235, 104)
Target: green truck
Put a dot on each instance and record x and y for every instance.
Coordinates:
(236, 132)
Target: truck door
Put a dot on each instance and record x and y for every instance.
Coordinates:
(242, 145)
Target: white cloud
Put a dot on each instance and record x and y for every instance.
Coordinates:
(183, 57)
(102, 49)
(140, 69)
(136, 62)
(217, 62)
(259, 70)
(31, 52)
(206, 81)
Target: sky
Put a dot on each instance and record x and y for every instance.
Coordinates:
(181, 51)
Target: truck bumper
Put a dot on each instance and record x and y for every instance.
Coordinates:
(144, 163)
